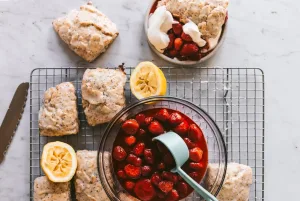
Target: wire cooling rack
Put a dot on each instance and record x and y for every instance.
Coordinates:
(234, 98)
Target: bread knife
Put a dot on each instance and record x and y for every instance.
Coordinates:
(12, 118)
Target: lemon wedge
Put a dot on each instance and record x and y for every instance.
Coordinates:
(59, 161)
(147, 80)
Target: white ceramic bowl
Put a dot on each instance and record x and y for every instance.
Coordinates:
(176, 61)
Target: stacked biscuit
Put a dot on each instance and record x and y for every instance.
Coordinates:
(209, 15)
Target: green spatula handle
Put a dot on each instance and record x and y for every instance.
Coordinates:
(198, 188)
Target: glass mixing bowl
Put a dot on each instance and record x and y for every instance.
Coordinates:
(217, 154)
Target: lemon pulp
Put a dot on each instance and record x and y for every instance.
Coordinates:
(59, 161)
(147, 80)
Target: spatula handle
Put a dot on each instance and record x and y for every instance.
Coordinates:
(197, 187)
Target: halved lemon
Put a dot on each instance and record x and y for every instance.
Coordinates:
(147, 80)
(59, 161)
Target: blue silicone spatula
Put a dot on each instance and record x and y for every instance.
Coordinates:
(180, 153)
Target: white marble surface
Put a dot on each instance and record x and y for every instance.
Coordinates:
(261, 33)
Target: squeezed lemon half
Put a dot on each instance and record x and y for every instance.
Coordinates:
(147, 80)
(59, 161)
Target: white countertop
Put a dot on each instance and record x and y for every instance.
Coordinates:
(261, 33)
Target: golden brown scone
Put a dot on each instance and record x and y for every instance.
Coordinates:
(102, 94)
(88, 32)
(88, 186)
(45, 190)
(236, 186)
(58, 116)
(208, 15)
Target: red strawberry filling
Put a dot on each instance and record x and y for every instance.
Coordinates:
(119, 153)
(132, 171)
(129, 185)
(165, 186)
(148, 156)
(144, 190)
(182, 128)
(143, 167)
(196, 154)
(134, 160)
(130, 126)
(156, 179)
(156, 128)
(138, 149)
(130, 140)
(182, 47)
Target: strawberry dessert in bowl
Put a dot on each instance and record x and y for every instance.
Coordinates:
(186, 32)
(133, 167)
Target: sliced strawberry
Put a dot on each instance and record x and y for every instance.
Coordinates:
(148, 120)
(186, 37)
(189, 143)
(155, 178)
(196, 166)
(189, 49)
(156, 128)
(196, 154)
(168, 159)
(170, 176)
(161, 166)
(144, 190)
(173, 53)
(182, 128)
(138, 149)
(178, 44)
(129, 185)
(146, 170)
(175, 119)
(162, 115)
(182, 189)
(119, 153)
(121, 174)
(172, 38)
(195, 133)
(177, 29)
(132, 171)
(173, 196)
(130, 140)
(130, 126)
(140, 118)
(148, 156)
(134, 160)
(165, 186)
(141, 132)
(195, 176)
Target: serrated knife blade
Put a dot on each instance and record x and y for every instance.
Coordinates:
(12, 118)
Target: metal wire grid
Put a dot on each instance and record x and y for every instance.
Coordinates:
(234, 98)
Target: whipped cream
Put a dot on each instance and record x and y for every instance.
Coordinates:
(192, 30)
(159, 23)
